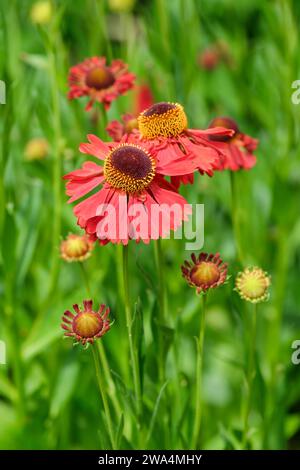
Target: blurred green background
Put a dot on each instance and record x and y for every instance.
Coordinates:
(48, 393)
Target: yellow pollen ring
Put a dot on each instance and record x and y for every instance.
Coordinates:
(168, 124)
(126, 182)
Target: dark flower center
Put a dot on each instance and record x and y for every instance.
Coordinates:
(159, 108)
(99, 78)
(129, 168)
(132, 161)
(228, 123)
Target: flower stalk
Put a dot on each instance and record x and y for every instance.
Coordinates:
(56, 171)
(159, 261)
(102, 390)
(199, 367)
(129, 323)
(235, 218)
(101, 351)
(250, 376)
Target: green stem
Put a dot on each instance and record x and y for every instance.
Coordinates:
(119, 268)
(164, 29)
(101, 25)
(109, 379)
(199, 367)
(101, 350)
(101, 385)
(13, 337)
(85, 279)
(56, 171)
(250, 376)
(133, 358)
(162, 322)
(103, 121)
(52, 45)
(235, 217)
(275, 382)
(159, 261)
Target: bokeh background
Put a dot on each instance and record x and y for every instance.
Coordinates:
(216, 57)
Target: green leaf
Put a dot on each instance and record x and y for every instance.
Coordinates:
(292, 425)
(125, 392)
(46, 328)
(231, 437)
(9, 240)
(120, 431)
(30, 232)
(37, 61)
(155, 411)
(138, 338)
(7, 389)
(64, 387)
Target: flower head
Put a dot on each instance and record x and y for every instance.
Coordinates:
(205, 272)
(209, 58)
(117, 129)
(76, 248)
(41, 12)
(36, 149)
(214, 54)
(130, 183)
(237, 149)
(98, 81)
(129, 168)
(86, 325)
(121, 6)
(162, 120)
(252, 284)
(165, 125)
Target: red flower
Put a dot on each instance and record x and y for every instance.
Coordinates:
(165, 126)
(214, 54)
(86, 325)
(117, 129)
(210, 58)
(98, 81)
(237, 149)
(204, 272)
(132, 182)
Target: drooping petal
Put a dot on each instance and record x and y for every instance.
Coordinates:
(88, 208)
(96, 147)
(77, 189)
(219, 131)
(88, 170)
